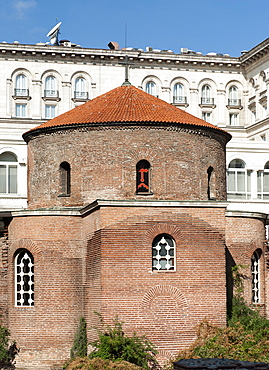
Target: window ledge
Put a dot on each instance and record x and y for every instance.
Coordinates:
(51, 98)
(15, 97)
(212, 106)
(77, 100)
(138, 193)
(235, 107)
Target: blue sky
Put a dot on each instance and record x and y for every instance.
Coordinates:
(222, 26)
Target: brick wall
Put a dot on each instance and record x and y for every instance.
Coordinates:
(103, 164)
(244, 235)
(45, 332)
(166, 306)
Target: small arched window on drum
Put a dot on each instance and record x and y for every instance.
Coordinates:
(143, 177)
(65, 186)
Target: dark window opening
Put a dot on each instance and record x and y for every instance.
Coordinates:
(211, 184)
(142, 177)
(65, 187)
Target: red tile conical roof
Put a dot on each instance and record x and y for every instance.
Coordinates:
(125, 104)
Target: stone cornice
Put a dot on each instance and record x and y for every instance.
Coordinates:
(140, 58)
(255, 53)
(99, 203)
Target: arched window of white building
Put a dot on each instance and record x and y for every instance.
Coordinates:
(163, 253)
(263, 182)
(255, 276)
(80, 89)
(151, 88)
(178, 94)
(206, 95)
(24, 279)
(238, 179)
(21, 85)
(8, 173)
(51, 87)
(233, 96)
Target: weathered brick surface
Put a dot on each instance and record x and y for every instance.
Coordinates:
(103, 164)
(167, 306)
(244, 236)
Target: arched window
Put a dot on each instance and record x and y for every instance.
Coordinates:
(238, 180)
(80, 89)
(178, 94)
(151, 88)
(263, 182)
(206, 95)
(255, 276)
(65, 179)
(8, 173)
(233, 96)
(163, 253)
(21, 86)
(50, 87)
(143, 177)
(211, 183)
(24, 279)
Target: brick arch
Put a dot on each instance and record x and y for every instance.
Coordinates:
(165, 354)
(164, 228)
(163, 290)
(250, 249)
(142, 153)
(25, 244)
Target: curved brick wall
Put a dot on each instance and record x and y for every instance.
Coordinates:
(103, 163)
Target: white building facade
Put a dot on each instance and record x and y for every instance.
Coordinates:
(38, 82)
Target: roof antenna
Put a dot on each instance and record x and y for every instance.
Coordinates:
(54, 33)
(125, 41)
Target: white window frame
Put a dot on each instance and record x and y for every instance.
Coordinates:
(234, 119)
(178, 93)
(207, 116)
(233, 95)
(80, 88)
(206, 94)
(50, 111)
(10, 181)
(51, 87)
(237, 170)
(21, 85)
(20, 110)
(263, 183)
(151, 88)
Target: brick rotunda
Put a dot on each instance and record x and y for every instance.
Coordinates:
(126, 216)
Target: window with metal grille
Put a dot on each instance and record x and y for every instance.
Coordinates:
(255, 278)
(24, 279)
(163, 253)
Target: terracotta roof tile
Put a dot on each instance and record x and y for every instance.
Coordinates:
(125, 104)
